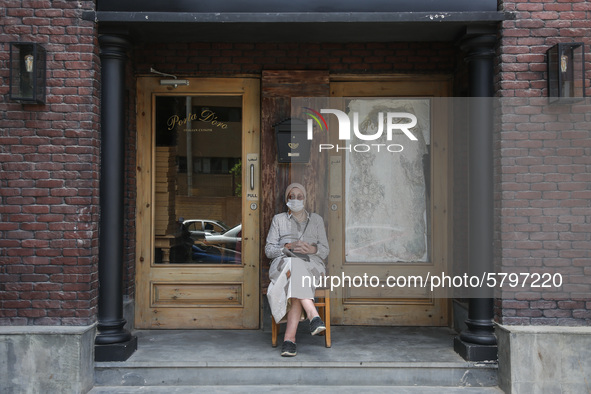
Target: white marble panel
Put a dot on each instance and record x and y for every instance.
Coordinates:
(386, 202)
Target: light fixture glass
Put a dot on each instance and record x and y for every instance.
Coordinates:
(566, 71)
(27, 72)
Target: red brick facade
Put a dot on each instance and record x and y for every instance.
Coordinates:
(49, 154)
(543, 167)
(252, 58)
(49, 171)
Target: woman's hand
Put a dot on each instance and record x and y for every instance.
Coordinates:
(304, 247)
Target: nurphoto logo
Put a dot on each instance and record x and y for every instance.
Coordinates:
(395, 122)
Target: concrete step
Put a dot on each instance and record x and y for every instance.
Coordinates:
(273, 389)
(360, 357)
(297, 373)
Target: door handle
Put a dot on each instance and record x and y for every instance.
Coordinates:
(253, 168)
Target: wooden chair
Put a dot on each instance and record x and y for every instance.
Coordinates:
(322, 302)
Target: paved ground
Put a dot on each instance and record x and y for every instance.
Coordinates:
(349, 344)
(397, 352)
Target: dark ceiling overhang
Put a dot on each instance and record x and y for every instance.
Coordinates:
(298, 6)
(295, 21)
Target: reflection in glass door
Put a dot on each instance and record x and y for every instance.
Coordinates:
(198, 180)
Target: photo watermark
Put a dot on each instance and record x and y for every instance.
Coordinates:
(397, 191)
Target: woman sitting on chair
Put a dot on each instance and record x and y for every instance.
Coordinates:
(298, 245)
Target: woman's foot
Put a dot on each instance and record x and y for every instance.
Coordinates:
(288, 349)
(317, 326)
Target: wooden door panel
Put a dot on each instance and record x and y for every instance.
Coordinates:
(215, 285)
(381, 304)
(195, 294)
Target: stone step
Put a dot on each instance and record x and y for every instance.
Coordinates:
(360, 356)
(273, 389)
(446, 374)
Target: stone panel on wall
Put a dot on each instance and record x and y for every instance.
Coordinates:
(544, 359)
(47, 359)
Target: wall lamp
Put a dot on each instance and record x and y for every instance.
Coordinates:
(566, 71)
(175, 82)
(27, 72)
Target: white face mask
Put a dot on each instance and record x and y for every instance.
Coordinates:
(295, 205)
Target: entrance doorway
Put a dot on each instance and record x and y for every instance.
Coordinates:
(198, 204)
(390, 213)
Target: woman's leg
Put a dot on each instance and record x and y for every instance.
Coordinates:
(293, 319)
(294, 314)
(309, 307)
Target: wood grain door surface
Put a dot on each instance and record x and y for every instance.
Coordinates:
(186, 280)
(378, 303)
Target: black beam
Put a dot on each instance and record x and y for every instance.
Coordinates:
(477, 342)
(146, 17)
(310, 6)
(153, 27)
(113, 342)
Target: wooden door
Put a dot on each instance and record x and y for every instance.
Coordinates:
(198, 204)
(371, 229)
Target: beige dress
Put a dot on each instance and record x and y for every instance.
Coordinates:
(302, 274)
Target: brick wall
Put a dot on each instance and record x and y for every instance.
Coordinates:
(49, 169)
(49, 154)
(542, 166)
(241, 58)
(538, 25)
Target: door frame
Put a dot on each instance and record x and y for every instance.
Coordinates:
(248, 273)
(431, 86)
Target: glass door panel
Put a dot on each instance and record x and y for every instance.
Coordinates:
(198, 180)
(387, 211)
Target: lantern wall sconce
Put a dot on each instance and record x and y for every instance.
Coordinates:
(293, 145)
(566, 72)
(27, 72)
